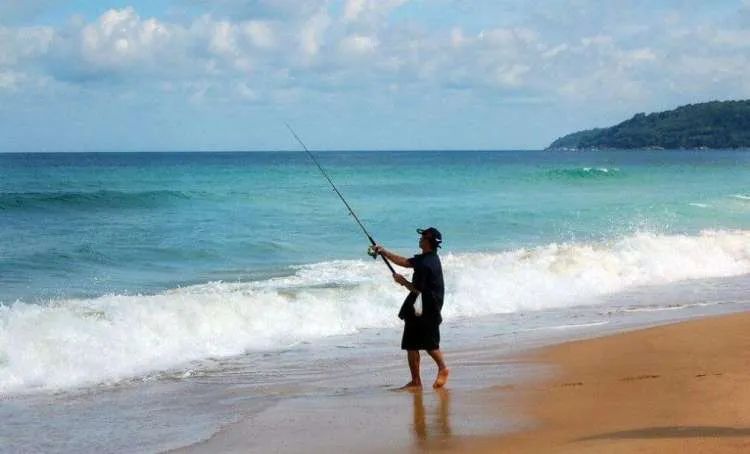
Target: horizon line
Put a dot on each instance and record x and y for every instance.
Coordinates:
(276, 151)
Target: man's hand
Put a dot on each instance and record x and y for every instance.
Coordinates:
(400, 279)
(388, 255)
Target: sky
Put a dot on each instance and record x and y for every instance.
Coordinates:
(200, 75)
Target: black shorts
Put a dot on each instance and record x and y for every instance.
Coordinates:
(421, 334)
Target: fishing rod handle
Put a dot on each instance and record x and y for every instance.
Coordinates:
(390, 267)
(388, 264)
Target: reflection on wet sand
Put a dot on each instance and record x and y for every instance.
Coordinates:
(439, 428)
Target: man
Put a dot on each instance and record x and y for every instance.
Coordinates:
(422, 321)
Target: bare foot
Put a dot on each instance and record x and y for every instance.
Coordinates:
(412, 385)
(442, 378)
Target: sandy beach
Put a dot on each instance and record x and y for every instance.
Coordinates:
(673, 388)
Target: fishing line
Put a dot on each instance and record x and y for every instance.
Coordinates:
(354, 215)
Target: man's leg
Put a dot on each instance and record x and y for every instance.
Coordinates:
(443, 371)
(413, 357)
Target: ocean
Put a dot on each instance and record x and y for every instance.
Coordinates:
(141, 286)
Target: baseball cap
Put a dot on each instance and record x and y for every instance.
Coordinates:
(433, 233)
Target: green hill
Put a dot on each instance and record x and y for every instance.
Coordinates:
(716, 124)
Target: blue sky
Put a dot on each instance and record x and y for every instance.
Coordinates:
(91, 75)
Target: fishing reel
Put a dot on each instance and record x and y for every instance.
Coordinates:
(371, 252)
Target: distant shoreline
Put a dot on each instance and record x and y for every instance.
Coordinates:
(706, 126)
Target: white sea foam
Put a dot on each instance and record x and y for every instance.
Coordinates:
(672, 307)
(87, 341)
(580, 325)
(741, 196)
(669, 307)
(567, 326)
(600, 169)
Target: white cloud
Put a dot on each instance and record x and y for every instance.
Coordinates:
(359, 44)
(245, 92)
(604, 84)
(511, 76)
(600, 41)
(120, 38)
(353, 8)
(18, 44)
(235, 40)
(8, 80)
(314, 50)
(508, 36)
(734, 38)
(636, 57)
(259, 33)
(222, 40)
(457, 37)
(312, 33)
(122, 43)
(555, 51)
(369, 10)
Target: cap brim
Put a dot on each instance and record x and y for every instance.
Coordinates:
(421, 231)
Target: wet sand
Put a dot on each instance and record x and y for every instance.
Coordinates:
(683, 387)
(677, 388)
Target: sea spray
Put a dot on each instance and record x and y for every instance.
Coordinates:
(75, 342)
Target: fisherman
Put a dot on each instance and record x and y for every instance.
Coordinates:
(422, 321)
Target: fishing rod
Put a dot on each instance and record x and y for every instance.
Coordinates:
(370, 250)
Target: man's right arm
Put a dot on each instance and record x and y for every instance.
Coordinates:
(395, 258)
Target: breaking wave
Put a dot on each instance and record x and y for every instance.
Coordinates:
(78, 342)
(584, 172)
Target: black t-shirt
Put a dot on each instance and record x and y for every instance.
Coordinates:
(428, 279)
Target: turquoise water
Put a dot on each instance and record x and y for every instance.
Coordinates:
(115, 266)
(84, 225)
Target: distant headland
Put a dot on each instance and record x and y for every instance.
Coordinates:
(716, 124)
